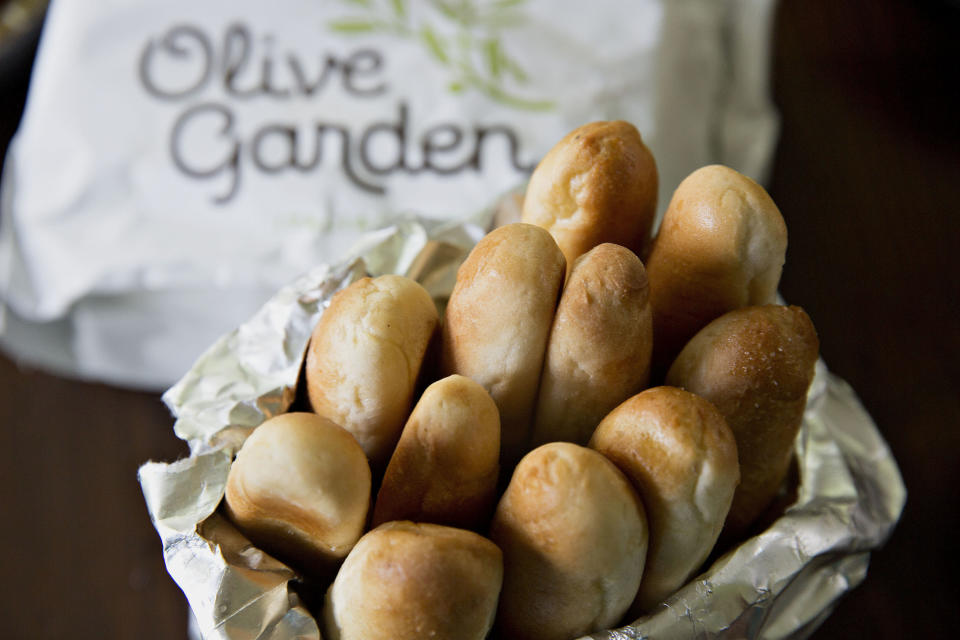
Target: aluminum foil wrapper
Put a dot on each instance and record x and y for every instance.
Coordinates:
(781, 583)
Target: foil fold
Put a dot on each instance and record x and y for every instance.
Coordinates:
(781, 583)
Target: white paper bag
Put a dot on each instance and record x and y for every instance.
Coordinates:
(178, 161)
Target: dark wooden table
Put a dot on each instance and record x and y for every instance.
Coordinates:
(867, 175)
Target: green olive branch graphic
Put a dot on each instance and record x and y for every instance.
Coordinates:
(479, 63)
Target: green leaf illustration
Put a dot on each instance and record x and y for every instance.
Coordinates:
(519, 103)
(468, 11)
(463, 12)
(354, 25)
(508, 4)
(516, 71)
(471, 51)
(493, 55)
(435, 44)
(447, 9)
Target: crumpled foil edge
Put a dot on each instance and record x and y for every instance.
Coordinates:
(781, 583)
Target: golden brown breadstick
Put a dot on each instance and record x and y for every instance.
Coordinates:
(497, 322)
(574, 539)
(755, 365)
(599, 350)
(679, 454)
(300, 490)
(406, 581)
(598, 184)
(365, 356)
(721, 246)
(444, 469)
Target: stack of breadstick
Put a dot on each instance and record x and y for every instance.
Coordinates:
(562, 450)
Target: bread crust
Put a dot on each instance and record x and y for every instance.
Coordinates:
(722, 246)
(574, 538)
(598, 354)
(444, 469)
(681, 458)
(756, 366)
(598, 184)
(300, 490)
(497, 322)
(364, 359)
(406, 581)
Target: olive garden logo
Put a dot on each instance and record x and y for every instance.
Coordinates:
(211, 73)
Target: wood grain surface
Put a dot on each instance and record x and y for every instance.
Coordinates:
(867, 174)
